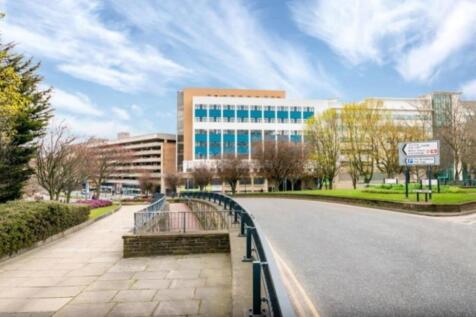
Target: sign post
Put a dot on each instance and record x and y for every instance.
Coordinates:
(418, 154)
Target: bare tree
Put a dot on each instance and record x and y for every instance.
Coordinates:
(231, 169)
(75, 169)
(145, 182)
(104, 161)
(278, 160)
(454, 132)
(50, 163)
(323, 138)
(172, 181)
(202, 176)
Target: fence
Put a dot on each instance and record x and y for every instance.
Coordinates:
(184, 221)
(265, 273)
(145, 217)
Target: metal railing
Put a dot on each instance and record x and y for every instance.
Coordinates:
(266, 275)
(145, 217)
(184, 221)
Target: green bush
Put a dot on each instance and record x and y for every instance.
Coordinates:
(24, 223)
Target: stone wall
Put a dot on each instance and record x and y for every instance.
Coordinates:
(176, 243)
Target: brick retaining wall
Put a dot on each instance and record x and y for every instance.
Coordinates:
(175, 243)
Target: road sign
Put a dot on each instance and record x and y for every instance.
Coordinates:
(419, 153)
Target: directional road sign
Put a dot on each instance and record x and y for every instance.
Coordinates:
(419, 153)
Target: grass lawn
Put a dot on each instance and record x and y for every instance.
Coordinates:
(449, 194)
(96, 212)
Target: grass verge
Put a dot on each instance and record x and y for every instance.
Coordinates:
(453, 195)
(97, 212)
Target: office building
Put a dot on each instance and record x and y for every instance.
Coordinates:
(217, 122)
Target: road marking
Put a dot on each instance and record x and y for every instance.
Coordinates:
(301, 301)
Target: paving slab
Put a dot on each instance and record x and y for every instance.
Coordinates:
(84, 274)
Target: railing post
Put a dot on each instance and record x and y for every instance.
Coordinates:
(249, 235)
(235, 219)
(184, 223)
(256, 310)
(242, 224)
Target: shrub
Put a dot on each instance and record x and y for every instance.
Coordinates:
(95, 203)
(24, 223)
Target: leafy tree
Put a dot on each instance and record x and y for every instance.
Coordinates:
(360, 125)
(323, 137)
(24, 115)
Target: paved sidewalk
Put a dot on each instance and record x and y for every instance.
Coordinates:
(85, 275)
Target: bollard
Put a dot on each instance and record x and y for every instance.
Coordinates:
(249, 235)
(256, 310)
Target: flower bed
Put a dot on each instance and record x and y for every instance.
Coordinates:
(95, 203)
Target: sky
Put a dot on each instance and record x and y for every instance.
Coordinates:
(117, 65)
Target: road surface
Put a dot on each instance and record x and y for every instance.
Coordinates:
(355, 261)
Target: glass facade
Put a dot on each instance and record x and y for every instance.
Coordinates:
(243, 142)
(212, 143)
(228, 142)
(200, 144)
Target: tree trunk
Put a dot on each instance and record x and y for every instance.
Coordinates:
(354, 183)
(68, 196)
(330, 183)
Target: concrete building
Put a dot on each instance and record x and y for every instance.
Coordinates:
(153, 154)
(217, 122)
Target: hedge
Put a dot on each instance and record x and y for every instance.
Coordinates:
(23, 223)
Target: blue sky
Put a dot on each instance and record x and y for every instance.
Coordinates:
(117, 65)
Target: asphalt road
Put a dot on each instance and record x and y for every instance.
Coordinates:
(355, 261)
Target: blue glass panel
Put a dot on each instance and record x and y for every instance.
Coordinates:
(200, 137)
(296, 138)
(215, 137)
(229, 137)
(255, 136)
(242, 113)
(255, 113)
(215, 113)
(296, 115)
(200, 151)
(228, 113)
(200, 113)
(283, 114)
(270, 114)
(308, 114)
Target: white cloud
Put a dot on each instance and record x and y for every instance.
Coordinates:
(225, 41)
(454, 33)
(469, 89)
(85, 127)
(73, 103)
(72, 33)
(122, 114)
(416, 36)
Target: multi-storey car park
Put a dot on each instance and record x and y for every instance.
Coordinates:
(152, 153)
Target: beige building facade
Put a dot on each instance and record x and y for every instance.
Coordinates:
(153, 155)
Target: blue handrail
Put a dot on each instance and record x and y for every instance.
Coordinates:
(277, 296)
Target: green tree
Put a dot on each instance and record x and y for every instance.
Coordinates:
(24, 114)
(323, 137)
